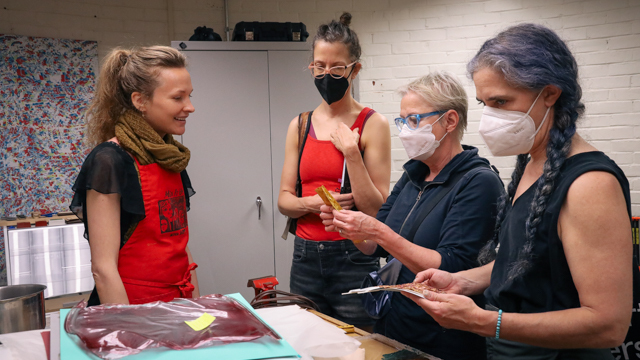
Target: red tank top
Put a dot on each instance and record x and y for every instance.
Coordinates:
(321, 164)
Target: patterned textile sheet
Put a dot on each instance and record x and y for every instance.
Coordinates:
(411, 288)
(45, 88)
(3, 267)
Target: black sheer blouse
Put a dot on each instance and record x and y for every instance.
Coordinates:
(109, 169)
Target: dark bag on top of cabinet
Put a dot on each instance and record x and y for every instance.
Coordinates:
(269, 31)
(203, 33)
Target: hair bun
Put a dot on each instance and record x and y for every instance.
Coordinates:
(345, 18)
(124, 56)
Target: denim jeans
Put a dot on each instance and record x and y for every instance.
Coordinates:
(323, 270)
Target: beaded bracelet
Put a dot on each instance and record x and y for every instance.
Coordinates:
(498, 325)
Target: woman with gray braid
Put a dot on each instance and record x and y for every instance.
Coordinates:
(558, 272)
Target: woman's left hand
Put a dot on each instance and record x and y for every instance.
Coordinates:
(355, 225)
(344, 139)
(451, 311)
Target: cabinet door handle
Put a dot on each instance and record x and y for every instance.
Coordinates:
(259, 204)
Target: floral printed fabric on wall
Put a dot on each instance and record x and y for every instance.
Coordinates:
(45, 88)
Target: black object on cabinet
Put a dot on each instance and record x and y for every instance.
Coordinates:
(203, 33)
(270, 31)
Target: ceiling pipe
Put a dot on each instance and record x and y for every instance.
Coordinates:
(226, 20)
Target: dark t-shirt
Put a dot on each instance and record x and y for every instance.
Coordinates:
(109, 169)
(547, 285)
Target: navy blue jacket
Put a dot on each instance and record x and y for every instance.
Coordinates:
(457, 228)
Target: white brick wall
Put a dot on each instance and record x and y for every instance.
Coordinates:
(401, 40)
(410, 38)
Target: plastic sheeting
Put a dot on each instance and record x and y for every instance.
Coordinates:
(114, 331)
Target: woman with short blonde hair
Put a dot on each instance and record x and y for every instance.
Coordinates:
(438, 216)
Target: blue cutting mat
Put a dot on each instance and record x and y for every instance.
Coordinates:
(70, 350)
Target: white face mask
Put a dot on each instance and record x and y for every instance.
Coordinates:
(420, 143)
(508, 132)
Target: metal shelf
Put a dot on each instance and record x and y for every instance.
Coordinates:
(55, 256)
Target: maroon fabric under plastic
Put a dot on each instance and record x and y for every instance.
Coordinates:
(114, 331)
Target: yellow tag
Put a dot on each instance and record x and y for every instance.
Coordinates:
(201, 322)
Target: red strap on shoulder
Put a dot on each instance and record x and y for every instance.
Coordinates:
(369, 113)
(364, 115)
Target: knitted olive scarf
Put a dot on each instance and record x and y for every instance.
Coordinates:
(139, 139)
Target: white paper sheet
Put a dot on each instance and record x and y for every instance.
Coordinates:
(310, 335)
(55, 336)
(24, 345)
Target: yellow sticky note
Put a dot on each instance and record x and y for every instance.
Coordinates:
(201, 322)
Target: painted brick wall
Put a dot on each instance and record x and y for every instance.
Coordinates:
(111, 22)
(401, 40)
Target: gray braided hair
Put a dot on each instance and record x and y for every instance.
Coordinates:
(531, 56)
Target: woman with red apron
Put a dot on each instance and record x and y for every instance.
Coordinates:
(133, 191)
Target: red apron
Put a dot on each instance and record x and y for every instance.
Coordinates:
(153, 264)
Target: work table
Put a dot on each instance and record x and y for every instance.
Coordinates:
(31, 345)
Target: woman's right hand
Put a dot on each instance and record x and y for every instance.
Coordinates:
(313, 203)
(440, 279)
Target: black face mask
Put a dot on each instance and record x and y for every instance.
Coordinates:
(331, 89)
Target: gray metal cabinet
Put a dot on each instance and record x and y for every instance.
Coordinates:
(245, 95)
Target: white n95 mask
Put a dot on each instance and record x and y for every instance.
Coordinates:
(508, 132)
(420, 143)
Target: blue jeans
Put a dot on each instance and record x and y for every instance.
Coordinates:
(323, 270)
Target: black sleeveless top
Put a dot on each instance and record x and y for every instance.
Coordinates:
(547, 285)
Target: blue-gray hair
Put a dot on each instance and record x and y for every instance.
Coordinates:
(531, 56)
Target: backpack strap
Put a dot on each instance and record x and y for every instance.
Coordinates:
(304, 124)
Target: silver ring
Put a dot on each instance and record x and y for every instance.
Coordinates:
(340, 231)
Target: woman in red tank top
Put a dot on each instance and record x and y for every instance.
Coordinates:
(132, 192)
(326, 264)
